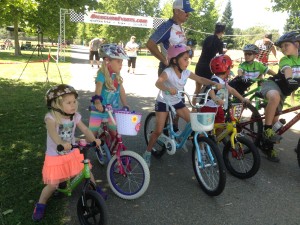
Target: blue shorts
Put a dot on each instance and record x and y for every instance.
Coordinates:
(162, 107)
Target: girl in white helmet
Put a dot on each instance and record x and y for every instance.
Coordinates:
(109, 86)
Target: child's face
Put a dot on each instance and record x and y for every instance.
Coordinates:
(183, 61)
(115, 65)
(69, 103)
(289, 48)
(249, 56)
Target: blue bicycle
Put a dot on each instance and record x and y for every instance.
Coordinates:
(207, 161)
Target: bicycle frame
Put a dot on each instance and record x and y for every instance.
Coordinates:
(285, 127)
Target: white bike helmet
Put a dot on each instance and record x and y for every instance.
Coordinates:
(112, 51)
(251, 48)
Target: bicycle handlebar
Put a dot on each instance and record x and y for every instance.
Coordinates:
(61, 148)
(201, 95)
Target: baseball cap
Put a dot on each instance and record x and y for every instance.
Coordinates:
(183, 4)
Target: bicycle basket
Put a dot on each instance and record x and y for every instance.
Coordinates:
(236, 111)
(128, 123)
(202, 121)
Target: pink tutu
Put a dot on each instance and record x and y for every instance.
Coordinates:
(60, 168)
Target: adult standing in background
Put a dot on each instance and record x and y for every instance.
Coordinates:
(169, 33)
(212, 45)
(131, 48)
(94, 46)
(265, 46)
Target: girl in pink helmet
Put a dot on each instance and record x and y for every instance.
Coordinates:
(172, 80)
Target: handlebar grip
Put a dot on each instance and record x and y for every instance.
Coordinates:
(60, 148)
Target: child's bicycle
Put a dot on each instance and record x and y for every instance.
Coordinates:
(240, 155)
(253, 129)
(207, 161)
(91, 208)
(127, 172)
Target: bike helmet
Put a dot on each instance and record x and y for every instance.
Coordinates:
(221, 64)
(175, 50)
(251, 48)
(288, 37)
(58, 91)
(112, 51)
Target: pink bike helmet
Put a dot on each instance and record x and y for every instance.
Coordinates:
(220, 64)
(175, 50)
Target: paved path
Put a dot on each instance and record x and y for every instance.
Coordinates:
(174, 197)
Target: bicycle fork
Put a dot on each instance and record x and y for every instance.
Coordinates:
(201, 148)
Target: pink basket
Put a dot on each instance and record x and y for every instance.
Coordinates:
(128, 123)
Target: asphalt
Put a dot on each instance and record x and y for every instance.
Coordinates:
(174, 197)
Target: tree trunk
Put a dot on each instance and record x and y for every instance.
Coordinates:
(16, 37)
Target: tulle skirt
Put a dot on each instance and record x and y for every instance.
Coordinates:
(60, 168)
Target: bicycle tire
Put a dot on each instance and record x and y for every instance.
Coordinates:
(298, 152)
(212, 186)
(93, 211)
(158, 150)
(252, 130)
(244, 161)
(135, 182)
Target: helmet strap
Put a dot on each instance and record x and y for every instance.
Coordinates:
(177, 65)
(63, 113)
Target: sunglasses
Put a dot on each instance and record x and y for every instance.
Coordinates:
(248, 53)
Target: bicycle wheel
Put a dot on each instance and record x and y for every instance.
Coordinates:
(250, 124)
(243, 161)
(159, 148)
(298, 152)
(134, 182)
(212, 177)
(92, 209)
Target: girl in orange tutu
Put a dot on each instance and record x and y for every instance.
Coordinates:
(61, 123)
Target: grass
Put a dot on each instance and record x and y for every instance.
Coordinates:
(23, 136)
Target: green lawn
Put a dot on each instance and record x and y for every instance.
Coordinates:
(23, 135)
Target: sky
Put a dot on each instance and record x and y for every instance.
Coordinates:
(249, 13)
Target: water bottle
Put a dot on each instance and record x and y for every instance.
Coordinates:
(278, 125)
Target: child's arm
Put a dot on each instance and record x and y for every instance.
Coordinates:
(51, 128)
(88, 133)
(97, 103)
(205, 81)
(123, 96)
(213, 97)
(160, 84)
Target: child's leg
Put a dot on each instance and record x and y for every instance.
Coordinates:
(160, 123)
(47, 192)
(95, 122)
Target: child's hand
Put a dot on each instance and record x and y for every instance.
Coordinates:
(98, 142)
(173, 91)
(246, 101)
(99, 107)
(219, 102)
(67, 146)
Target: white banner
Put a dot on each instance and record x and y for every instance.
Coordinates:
(118, 20)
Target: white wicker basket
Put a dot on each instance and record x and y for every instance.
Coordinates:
(128, 123)
(202, 121)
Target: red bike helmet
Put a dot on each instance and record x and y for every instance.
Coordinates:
(221, 64)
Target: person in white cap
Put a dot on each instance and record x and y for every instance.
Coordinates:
(170, 33)
(131, 49)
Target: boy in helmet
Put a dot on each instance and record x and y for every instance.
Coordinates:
(220, 65)
(249, 70)
(278, 87)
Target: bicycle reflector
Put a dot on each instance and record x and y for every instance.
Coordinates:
(236, 111)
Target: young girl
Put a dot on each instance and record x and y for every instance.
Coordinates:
(171, 80)
(61, 123)
(220, 65)
(109, 86)
(278, 87)
(249, 69)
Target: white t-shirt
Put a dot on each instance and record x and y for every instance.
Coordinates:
(173, 82)
(131, 49)
(219, 94)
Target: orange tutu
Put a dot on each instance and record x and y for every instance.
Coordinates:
(60, 168)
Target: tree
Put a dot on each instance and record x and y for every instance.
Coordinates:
(228, 20)
(286, 5)
(293, 22)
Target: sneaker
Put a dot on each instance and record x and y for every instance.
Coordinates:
(92, 65)
(147, 158)
(270, 135)
(38, 212)
(271, 154)
(102, 193)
